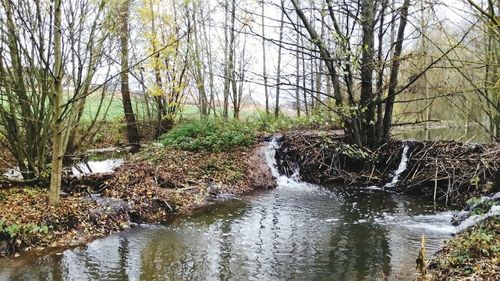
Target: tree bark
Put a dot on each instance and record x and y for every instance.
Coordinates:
(393, 80)
(367, 67)
(58, 129)
(132, 131)
(278, 74)
(324, 53)
(264, 62)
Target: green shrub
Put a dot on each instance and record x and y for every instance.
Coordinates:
(210, 135)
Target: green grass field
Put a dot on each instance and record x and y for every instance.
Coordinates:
(112, 110)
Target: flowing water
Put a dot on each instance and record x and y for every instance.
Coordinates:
(297, 231)
(401, 168)
(96, 166)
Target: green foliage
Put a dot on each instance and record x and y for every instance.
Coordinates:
(354, 151)
(210, 135)
(14, 229)
(477, 243)
(473, 201)
(350, 150)
(478, 207)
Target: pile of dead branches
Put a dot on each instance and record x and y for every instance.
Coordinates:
(322, 157)
(443, 170)
(448, 169)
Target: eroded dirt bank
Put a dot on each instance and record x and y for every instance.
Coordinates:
(153, 186)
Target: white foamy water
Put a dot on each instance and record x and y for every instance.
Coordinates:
(96, 167)
(401, 168)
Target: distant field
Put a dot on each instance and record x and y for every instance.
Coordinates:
(114, 107)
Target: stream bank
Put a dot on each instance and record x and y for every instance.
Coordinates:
(161, 182)
(152, 186)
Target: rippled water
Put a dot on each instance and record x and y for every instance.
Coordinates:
(296, 232)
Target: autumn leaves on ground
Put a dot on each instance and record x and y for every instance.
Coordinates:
(152, 186)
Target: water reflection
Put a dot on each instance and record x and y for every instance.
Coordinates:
(470, 133)
(304, 234)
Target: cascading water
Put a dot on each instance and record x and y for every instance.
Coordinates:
(403, 164)
(96, 167)
(283, 180)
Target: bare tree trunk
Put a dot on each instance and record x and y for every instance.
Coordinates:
(423, 61)
(232, 50)
(367, 67)
(264, 62)
(381, 68)
(393, 80)
(208, 53)
(226, 61)
(278, 74)
(324, 53)
(58, 130)
(132, 131)
(297, 73)
(304, 80)
(198, 65)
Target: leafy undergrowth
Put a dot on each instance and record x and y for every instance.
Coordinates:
(471, 255)
(27, 221)
(210, 135)
(161, 181)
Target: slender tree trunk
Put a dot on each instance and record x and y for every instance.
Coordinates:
(367, 67)
(227, 59)
(393, 80)
(198, 65)
(278, 74)
(264, 62)
(58, 129)
(231, 64)
(304, 80)
(132, 131)
(208, 54)
(423, 60)
(380, 74)
(297, 73)
(324, 53)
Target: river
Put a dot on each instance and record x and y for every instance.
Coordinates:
(297, 231)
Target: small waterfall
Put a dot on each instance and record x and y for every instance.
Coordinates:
(96, 167)
(401, 168)
(271, 157)
(282, 180)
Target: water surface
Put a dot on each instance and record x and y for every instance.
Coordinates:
(474, 134)
(298, 231)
